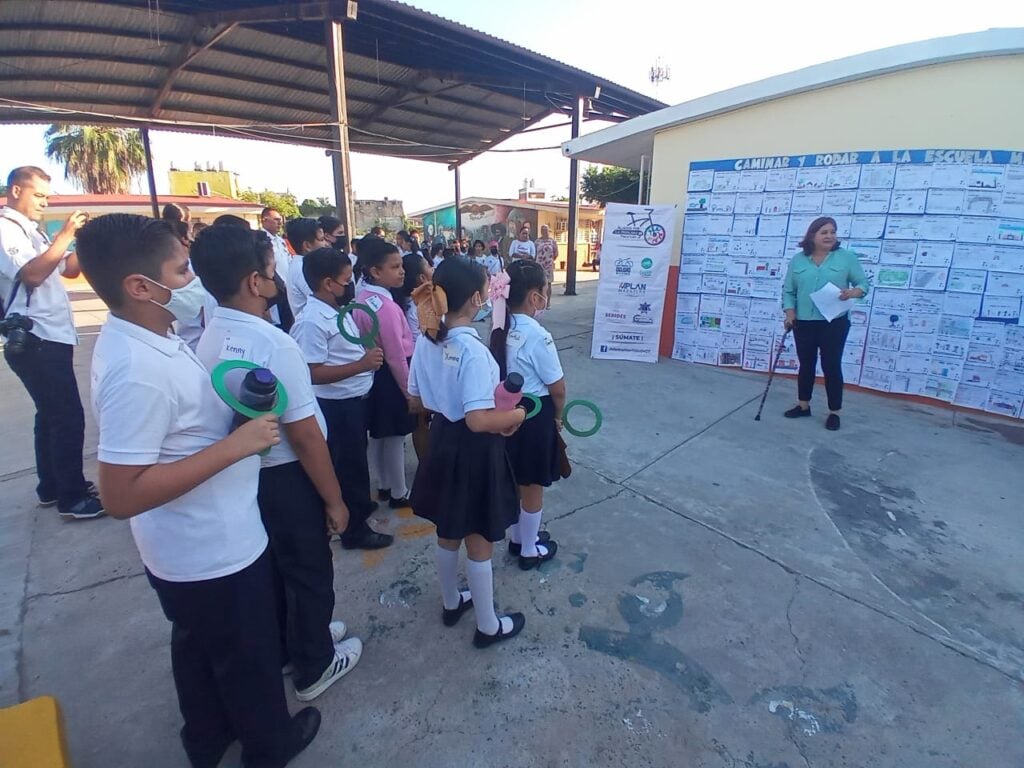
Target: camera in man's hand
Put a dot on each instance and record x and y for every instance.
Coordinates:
(15, 327)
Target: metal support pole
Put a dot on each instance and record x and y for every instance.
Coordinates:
(339, 127)
(640, 186)
(574, 201)
(149, 173)
(458, 201)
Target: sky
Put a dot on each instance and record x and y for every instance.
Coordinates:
(708, 47)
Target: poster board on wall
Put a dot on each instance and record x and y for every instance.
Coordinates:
(635, 253)
(939, 232)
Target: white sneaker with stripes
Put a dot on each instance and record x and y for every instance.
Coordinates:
(346, 656)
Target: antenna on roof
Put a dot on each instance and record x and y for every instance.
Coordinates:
(660, 73)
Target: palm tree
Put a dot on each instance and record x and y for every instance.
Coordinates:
(103, 161)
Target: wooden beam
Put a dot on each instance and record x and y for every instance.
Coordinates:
(334, 43)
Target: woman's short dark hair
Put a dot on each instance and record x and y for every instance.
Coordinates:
(808, 242)
(460, 280)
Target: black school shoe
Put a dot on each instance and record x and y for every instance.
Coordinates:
(451, 617)
(517, 549)
(383, 494)
(86, 509)
(832, 422)
(367, 538)
(401, 503)
(480, 640)
(90, 490)
(305, 725)
(526, 563)
(797, 412)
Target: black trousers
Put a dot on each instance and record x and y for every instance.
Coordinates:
(293, 514)
(227, 664)
(346, 439)
(46, 369)
(812, 336)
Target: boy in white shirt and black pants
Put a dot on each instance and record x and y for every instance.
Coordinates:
(299, 497)
(167, 462)
(342, 373)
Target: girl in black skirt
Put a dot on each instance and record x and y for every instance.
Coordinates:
(524, 347)
(389, 418)
(465, 486)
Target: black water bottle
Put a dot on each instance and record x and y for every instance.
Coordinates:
(259, 392)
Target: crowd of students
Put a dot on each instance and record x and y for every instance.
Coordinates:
(233, 520)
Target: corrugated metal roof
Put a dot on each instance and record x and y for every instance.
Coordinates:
(417, 85)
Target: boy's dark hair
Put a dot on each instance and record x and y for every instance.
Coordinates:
(301, 231)
(224, 256)
(373, 252)
(230, 220)
(116, 245)
(524, 276)
(329, 223)
(480, 243)
(460, 280)
(321, 264)
(413, 263)
(435, 249)
(808, 242)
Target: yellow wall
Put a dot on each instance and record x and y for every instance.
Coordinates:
(961, 105)
(222, 183)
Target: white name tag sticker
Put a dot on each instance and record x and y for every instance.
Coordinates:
(375, 303)
(515, 339)
(234, 349)
(452, 356)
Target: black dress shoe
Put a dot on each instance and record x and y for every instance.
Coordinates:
(206, 756)
(367, 539)
(383, 494)
(451, 617)
(796, 412)
(832, 422)
(401, 503)
(526, 563)
(480, 640)
(517, 549)
(305, 725)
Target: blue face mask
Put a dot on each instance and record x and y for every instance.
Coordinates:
(484, 312)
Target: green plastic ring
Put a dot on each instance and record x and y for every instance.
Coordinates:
(366, 340)
(219, 376)
(579, 432)
(535, 403)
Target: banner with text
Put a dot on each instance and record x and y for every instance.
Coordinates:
(635, 255)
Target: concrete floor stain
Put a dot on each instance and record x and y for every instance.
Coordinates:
(639, 646)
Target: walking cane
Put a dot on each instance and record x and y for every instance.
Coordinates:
(771, 374)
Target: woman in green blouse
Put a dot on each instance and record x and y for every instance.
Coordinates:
(821, 262)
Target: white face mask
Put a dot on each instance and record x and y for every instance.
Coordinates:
(185, 302)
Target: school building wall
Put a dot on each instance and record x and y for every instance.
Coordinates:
(957, 105)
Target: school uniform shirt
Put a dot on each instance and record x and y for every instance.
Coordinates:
(412, 317)
(49, 306)
(192, 330)
(395, 337)
(154, 404)
(519, 249)
(491, 263)
(298, 288)
(532, 354)
(454, 377)
(282, 264)
(234, 335)
(317, 335)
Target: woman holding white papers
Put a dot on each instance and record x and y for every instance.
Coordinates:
(822, 263)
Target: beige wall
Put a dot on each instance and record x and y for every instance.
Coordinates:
(962, 105)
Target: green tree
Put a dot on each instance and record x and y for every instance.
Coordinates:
(102, 161)
(283, 202)
(319, 207)
(610, 185)
(3, 190)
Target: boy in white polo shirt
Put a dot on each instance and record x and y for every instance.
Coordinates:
(299, 497)
(342, 373)
(167, 462)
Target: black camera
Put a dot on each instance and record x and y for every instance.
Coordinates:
(15, 327)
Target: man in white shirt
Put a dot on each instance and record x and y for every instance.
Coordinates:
(272, 222)
(42, 354)
(168, 463)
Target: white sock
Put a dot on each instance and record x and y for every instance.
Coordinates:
(392, 466)
(448, 575)
(481, 583)
(513, 533)
(529, 527)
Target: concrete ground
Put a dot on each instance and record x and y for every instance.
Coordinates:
(727, 594)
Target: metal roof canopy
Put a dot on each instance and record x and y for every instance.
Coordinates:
(417, 85)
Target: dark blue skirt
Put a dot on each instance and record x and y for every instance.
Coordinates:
(387, 409)
(533, 449)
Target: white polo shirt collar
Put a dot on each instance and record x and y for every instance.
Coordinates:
(168, 345)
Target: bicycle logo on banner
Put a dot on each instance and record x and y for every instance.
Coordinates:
(642, 226)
